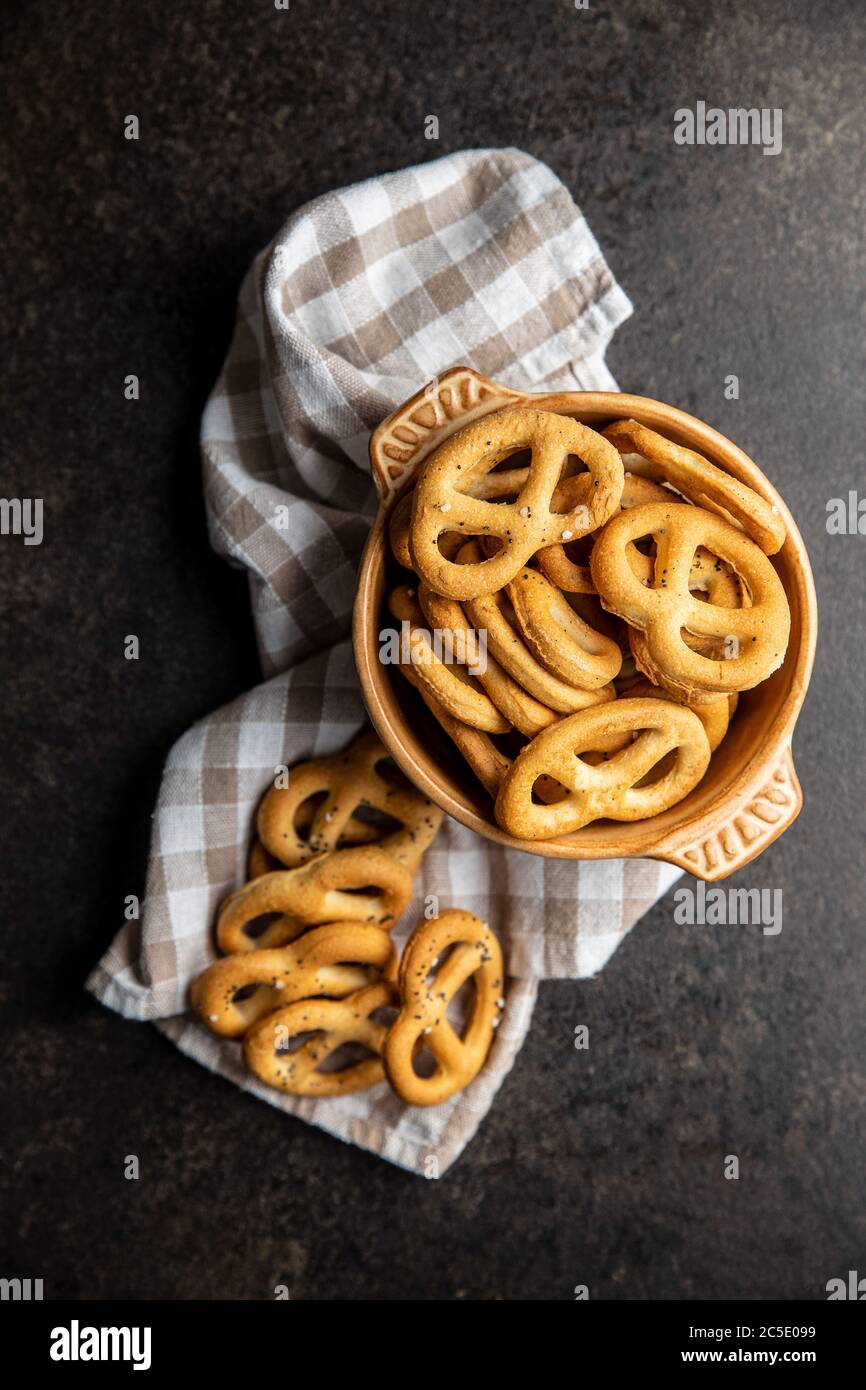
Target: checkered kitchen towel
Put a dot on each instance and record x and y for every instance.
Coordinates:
(366, 294)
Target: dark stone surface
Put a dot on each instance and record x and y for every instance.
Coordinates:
(602, 1168)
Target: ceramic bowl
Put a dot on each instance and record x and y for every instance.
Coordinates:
(750, 793)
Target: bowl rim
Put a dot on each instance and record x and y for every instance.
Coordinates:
(771, 760)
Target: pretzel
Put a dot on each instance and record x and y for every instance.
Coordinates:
(259, 861)
(709, 575)
(566, 645)
(761, 631)
(555, 562)
(294, 827)
(451, 685)
(521, 709)
(612, 788)
(355, 832)
(442, 500)
(266, 979)
(489, 613)
(334, 1023)
(715, 715)
(326, 890)
(426, 990)
(487, 761)
(505, 484)
(700, 481)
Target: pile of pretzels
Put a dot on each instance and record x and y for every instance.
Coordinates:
(309, 976)
(622, 587)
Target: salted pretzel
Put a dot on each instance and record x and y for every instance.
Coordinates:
(316, 812)
(760, 631)
(450, 684)
(715, 714)
(559, 638)
(426, 989)
(442, 500)
(521, 709)
(711, 576)
(556, 563)
(504, 640)
(326, 890)
(356, 832)
(699, 480)
(505, 484)
(487, 761)
(615, 788)
(335, 959)
(334, 1023)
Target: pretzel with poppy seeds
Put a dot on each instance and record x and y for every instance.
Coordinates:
(334, 1023)
(615, 788)
(443, 501)
(335, 959)
(757, 635)
(700, 481)
(426, 989)
(450, 684)
(315, 812)
(326, 890)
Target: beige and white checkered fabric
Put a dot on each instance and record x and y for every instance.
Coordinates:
(479, 258)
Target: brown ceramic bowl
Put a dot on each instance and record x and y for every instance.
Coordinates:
(750, 793)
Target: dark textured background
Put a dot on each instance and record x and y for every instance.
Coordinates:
(602, 1168)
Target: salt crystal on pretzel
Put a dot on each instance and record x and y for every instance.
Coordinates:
(495, 485)
(555, 562)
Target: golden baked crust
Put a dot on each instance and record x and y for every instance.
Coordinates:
(426, 989)
(442, 500)
(698, 480)
(334, 959)
(758, 634)
(614, 787)
(316, 812)
(450, 684)
(324, 890)
(334, 1023)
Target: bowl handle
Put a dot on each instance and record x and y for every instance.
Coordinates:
(727, 843)
(416, 428)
